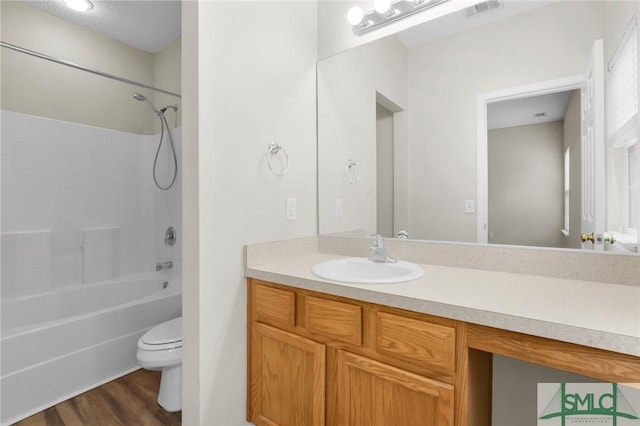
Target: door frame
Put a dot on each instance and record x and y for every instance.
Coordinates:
(483, 99)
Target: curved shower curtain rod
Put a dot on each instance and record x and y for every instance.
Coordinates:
(80, 67)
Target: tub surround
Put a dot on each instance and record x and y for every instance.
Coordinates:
(528, 291)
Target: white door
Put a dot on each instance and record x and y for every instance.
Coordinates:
(592, 131)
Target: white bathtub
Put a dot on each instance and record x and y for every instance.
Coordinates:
(60, 344)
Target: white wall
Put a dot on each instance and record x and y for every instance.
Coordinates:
(260, 87)
(526, 181)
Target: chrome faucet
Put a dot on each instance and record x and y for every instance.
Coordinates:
(378, 253)
(164, 265)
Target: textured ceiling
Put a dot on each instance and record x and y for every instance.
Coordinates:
(149, 25)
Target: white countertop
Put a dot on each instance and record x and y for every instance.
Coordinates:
(599, 315)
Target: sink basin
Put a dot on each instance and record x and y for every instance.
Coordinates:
(364, 271)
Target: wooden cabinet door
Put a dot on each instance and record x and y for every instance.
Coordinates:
(374, 394)
(287, 379)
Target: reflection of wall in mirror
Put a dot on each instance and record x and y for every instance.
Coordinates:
(444, 78)
(572, 140)
(347, 87)
(526, 184)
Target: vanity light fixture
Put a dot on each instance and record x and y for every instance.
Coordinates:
(385, 12)
(79, 5)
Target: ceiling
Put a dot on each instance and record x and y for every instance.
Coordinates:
(149, 25)
(520, 112)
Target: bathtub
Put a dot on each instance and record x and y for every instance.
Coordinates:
(57, 345)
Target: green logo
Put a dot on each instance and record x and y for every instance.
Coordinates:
(602, 403)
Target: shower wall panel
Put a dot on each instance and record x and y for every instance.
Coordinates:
(59, 178)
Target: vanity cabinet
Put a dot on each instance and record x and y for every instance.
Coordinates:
(316, 359)
(320, 359)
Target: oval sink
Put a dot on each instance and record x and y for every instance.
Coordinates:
(364, 271)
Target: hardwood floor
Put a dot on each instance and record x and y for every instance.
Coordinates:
(129, 400)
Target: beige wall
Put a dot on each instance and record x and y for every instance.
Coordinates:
(572, 140)
(245, 94)
(384, 171)
(167, 75)
(526, 185)
(39, 87)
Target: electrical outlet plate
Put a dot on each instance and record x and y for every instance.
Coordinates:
(469, 206)
(291, 209)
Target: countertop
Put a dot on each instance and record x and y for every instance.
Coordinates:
(594, 314)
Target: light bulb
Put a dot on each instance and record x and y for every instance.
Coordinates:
(382, 6)
(79, 5)
(355, 15)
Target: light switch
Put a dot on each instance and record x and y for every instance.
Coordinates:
(338, 207)
(291, 209)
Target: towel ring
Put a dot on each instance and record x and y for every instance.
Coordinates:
(351, 178)
(273, 149)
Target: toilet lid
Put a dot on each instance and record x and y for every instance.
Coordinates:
(167, 332)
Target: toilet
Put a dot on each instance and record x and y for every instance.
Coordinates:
(160, 348)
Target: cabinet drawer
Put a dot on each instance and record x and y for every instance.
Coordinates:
(336, 320)
(415, 341)
(274, 306)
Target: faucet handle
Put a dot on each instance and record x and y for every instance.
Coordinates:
(377, 241)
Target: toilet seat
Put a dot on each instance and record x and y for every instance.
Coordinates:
(165, 336)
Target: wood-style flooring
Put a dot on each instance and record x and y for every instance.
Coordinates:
(127, 401)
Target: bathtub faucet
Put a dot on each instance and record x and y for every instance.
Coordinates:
(164, 265)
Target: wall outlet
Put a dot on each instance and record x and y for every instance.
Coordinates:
(291, 209)
(338, 207)
(469, 206)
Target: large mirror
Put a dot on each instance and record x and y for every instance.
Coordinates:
(415, 133)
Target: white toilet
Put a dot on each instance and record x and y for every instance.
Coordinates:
(161, 349)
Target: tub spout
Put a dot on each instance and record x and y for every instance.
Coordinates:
(164, 265)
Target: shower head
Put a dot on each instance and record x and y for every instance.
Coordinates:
(139, 97)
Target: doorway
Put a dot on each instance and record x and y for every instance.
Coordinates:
(531, 188)
(484, 101)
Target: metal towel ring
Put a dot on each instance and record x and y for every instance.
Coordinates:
(273, 149)
(350, 177)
